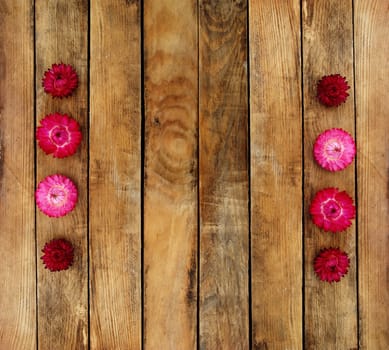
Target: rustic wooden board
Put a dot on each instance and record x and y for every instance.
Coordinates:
(61, 31)
(170, 193)
(371, 20)
(330, 309)
(115, 176)
(224, 299)
(276, 174)
(17, 222)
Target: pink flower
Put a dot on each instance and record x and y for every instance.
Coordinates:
(58, 255)
(332, 90)
(59, 134)
(60, 80)
(56, 195)
(331, 264)
(334, 149)
(332, 210)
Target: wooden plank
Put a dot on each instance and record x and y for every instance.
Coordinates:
(61, 36)
(170, 193)
(371, 20)
(115, 170)
(330, 309)
(276, 174)
(223, 173)
(17, 222)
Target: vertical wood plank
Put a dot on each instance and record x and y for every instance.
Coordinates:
(371, 20)
(276, 174)
(170, 202)
(115, 169)
(224, 299)
(61, 36)
(17, 243)
(330, 309)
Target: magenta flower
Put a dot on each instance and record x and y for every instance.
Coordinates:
(334, 149)
(56, 195)
(59, 135)
(332, 210)
(58, 255)
(60, 80)
(332, 90)
(331, 264)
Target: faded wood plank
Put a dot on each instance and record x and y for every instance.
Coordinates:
(223, 174)
(330, 309)
(276, 174)
(17, 243)
(170, 193)
(115, 170)
(61, 36)
(371, 20)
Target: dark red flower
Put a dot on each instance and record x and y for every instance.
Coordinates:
(60, 80)
(59, 135)
(332, 90)
(332, 210)
(58, 255)
(331, 264)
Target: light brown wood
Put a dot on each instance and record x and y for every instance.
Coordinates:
(276, 174)
(371, 19)
(330, 309)
(115, 171)
(224, 220)
(17, 227)
(61, 36)
(170, 193)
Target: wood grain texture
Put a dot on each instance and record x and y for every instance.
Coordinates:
(17, 238)
(61, 36)
(276, 174)
(330, 309)
(224, 220)
(115, 170)
(371, 20)
(170, 193)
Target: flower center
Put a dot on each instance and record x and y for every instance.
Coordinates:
(332, 90)
(59, 82)
(332, 263)
(57, 195)
(331, 209)
(333, 149)
(59, 135)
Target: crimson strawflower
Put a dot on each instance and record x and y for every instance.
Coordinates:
(331, 264)
(60, 80)
(56, 195)
(332, 210)
(58, 255)
(59, 135)
(334, 149)
(332, 90)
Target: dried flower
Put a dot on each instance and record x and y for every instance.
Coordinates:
(331, 264)
(332, 90)
(334, 149)
(332, 210)
(59, 135)
(56, 195)
(58, 255)
(60, 80)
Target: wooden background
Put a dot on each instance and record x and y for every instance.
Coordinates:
(195, 174)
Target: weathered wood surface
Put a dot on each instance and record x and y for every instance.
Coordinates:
(276, 174)
(17, 223)
(371, 20)
(192, 227)
(61, 32)
(115, 176)
(170, 189)
(223, 176)
(330, 309)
